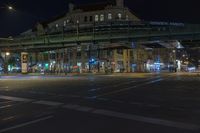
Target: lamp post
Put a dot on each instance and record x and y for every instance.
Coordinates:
(6, 62)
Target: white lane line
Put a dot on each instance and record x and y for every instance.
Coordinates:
(147, 119)
(6, 106)
(102, 112)
(177, 109)
(153, 105)
(129, 88)
(136, 103)
(6, 102)
(49, 103)
(25, 124)
(17, 99)
(78, 107)
(8, 118)
(118, 101)
(117, 85)
(133, 117)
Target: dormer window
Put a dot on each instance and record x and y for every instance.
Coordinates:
(109, 16)
(96, 18)
(65, 23)
(119, 16)
(127, 17)
(101, 17)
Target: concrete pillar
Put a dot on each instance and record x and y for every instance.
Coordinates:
(126, 60)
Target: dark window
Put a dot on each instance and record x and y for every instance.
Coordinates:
(78, 54)
(131, 53)
(91, 18)
(86, 19)
(120, 51)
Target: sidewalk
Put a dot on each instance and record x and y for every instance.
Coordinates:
(139, 75)
(109, 74)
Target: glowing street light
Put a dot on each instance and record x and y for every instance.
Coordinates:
(7, 53)
(10, 8)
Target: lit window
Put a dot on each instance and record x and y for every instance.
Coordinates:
(109, 16)
(57, 25)
(96, 18)
(119, 15)
(101, 17)
(77, 21)
(67, 20)
(65, 23)
(127, 18)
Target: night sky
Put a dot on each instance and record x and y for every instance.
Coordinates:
(28, 12)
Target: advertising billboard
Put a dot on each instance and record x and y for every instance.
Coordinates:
(24, 62)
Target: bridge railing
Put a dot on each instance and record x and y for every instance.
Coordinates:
(106, 31)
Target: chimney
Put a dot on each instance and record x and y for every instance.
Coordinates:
(71, 7)
(120, 3)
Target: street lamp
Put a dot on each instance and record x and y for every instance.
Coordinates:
(7, 53)
(6, 62)
(8, 7)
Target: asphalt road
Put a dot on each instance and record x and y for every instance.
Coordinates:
(167, 103)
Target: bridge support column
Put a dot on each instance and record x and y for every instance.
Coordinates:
(140, 59)
(89, 55)
(58, 64)
(126, 60)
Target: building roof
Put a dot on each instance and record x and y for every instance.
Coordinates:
(94, 7)
(45, 23)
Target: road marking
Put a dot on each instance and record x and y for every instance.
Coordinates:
(129, 88)
(177, 109)
(147, 119)
(118, 101)
(25, 124)
(117, 85)
(17, 99)
(6, 106)
(101, 112)
(49, 103)
(153, 105)
(8, 118)
(102, 99)
(6, 102)
(78, 107)
(133, 117)
(136, 103)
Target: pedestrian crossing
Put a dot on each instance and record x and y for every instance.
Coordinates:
(91, 110)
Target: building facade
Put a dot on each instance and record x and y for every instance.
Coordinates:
(92, 57)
